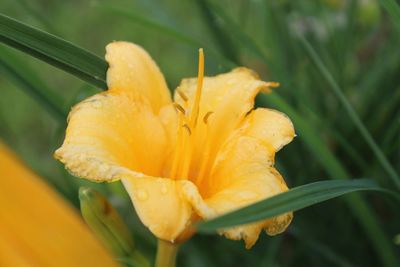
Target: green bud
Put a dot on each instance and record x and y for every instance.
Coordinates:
(105, 222)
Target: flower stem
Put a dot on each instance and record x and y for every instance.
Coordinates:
(166, 254)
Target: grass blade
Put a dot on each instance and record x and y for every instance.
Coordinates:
(292, 200)
(352, 113)
(53, 50)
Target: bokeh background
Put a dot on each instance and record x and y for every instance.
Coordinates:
(356, 41)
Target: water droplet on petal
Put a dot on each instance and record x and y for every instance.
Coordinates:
(97, 104)
(142, 194)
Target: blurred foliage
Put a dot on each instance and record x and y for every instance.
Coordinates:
(357, 42)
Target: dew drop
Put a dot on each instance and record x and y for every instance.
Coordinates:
(142, 194)
(97, 104)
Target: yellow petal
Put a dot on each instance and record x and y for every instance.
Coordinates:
(229, 97)
(37, 228)
(270, 126)
(160, 205)
(132, 69)
(243, 174)
(110, 133)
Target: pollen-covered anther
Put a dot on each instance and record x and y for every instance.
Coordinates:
(205, 118)
(179, 108)
(182, 95)
(185, 126)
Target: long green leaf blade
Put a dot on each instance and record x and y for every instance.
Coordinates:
(53, 50)
(292, 200)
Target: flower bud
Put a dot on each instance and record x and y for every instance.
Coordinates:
(105, 222)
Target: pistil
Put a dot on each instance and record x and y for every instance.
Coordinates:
(185, 138)
(200, 76)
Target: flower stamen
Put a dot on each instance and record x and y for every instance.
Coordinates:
(182, 95)
(183, 154)
(187, 128)
(205, 118)
(179, 108)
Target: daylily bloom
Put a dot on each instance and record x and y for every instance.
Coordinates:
(201, 155)
(37, 227)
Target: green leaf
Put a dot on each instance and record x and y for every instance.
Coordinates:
(54, 50)
(292, 200)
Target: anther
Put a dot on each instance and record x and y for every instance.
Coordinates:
(179, 108)
(182, 95)
(248, 112)
(187, 128)
(205, 118)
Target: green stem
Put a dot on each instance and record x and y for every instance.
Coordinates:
(166, 254)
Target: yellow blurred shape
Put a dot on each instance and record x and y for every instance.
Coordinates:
(37, 227)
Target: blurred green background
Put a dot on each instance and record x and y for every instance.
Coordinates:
(355, 40)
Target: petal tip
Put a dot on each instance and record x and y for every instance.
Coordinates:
(279, 224)
(250, 72)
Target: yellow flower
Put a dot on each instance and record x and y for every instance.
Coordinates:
(198, 157)
(39, 229)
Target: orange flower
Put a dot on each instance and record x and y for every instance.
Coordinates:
(37, 228)
(198, 157)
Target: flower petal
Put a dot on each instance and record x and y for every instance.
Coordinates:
(160, 205)
(229, 97)
(243, 174)
(132, 69)
(110, 133)
(270, 126)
